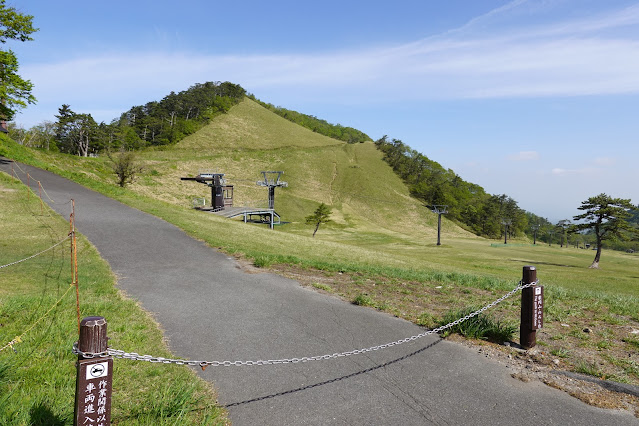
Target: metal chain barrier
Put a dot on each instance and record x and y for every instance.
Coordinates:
(37, 254)
(203, 364)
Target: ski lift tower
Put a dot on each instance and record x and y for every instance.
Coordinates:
(440, 210)
(221, 194)
(272, 181)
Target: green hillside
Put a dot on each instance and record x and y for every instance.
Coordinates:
(366, 195)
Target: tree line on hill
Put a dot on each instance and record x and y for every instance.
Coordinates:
(155, 123)
(467, 203)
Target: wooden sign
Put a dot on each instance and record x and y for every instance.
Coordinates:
(93, 391)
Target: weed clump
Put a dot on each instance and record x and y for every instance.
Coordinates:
(481, 326)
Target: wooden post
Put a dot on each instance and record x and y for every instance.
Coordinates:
(532, 308)
(40, 194)
(94, 375)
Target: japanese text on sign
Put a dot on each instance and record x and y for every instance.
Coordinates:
(538, 307)
(93, 404)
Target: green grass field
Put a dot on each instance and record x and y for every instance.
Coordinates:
(379, 233)
(37, 374)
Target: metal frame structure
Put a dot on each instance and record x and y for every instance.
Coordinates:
(221, 194)
(440, 210)
(222, 197)
(272, 181)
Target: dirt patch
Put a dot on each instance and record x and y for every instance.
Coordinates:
(535, 365)
(593, 342)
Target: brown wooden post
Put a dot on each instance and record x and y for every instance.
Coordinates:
(532, 308)
(40, 193)
(94, 375)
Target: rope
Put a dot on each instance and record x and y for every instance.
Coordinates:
(18, 339)
(37, 254)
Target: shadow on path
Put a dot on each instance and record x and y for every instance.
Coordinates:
(337, 379)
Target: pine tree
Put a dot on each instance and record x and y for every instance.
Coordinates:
(319, 216)
(607, 217)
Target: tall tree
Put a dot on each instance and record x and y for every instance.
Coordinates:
(76, 133)
(607, 217)
(15, 92)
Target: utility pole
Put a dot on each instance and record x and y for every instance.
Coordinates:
(506, 223)
(440, 210)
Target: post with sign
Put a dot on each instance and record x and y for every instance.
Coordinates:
(532, 309)
(94, 375)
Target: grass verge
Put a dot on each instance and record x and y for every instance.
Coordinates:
(37, 374)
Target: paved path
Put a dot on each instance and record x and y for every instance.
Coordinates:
(212, 310)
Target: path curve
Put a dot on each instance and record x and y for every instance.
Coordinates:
(209, 309)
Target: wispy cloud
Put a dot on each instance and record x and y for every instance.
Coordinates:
(580, 171)
(524, 156)
(605, 161)
(591, 56)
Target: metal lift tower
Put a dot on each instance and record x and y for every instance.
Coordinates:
(219, 190)
(271, 181)
(440, 210)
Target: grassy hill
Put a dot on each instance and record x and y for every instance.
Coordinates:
(366, 195)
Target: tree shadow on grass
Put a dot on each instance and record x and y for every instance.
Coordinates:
(337, 379)
(41, 414)
(530, 262)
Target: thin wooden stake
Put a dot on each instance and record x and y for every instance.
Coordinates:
(41, 203)
(74, 261)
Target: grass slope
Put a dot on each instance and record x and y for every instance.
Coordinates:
(366, 195)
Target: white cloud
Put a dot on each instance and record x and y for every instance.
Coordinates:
(561, 59)
(524, 156)
(580, 171)
(605, 161)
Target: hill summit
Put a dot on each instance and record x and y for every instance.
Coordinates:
(364, 192)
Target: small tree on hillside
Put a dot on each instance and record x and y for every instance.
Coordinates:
(319, 216)
(124, 166)
(607, 217)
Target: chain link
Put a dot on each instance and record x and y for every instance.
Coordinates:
(203, 364)
(35, 255)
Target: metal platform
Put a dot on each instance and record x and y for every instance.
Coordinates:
(265, 215)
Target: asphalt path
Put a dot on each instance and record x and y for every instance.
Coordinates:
(211, 310)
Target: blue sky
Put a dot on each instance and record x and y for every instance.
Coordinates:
(537, 99)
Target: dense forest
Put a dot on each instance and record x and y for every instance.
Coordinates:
(467, 203)
(155, 123)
